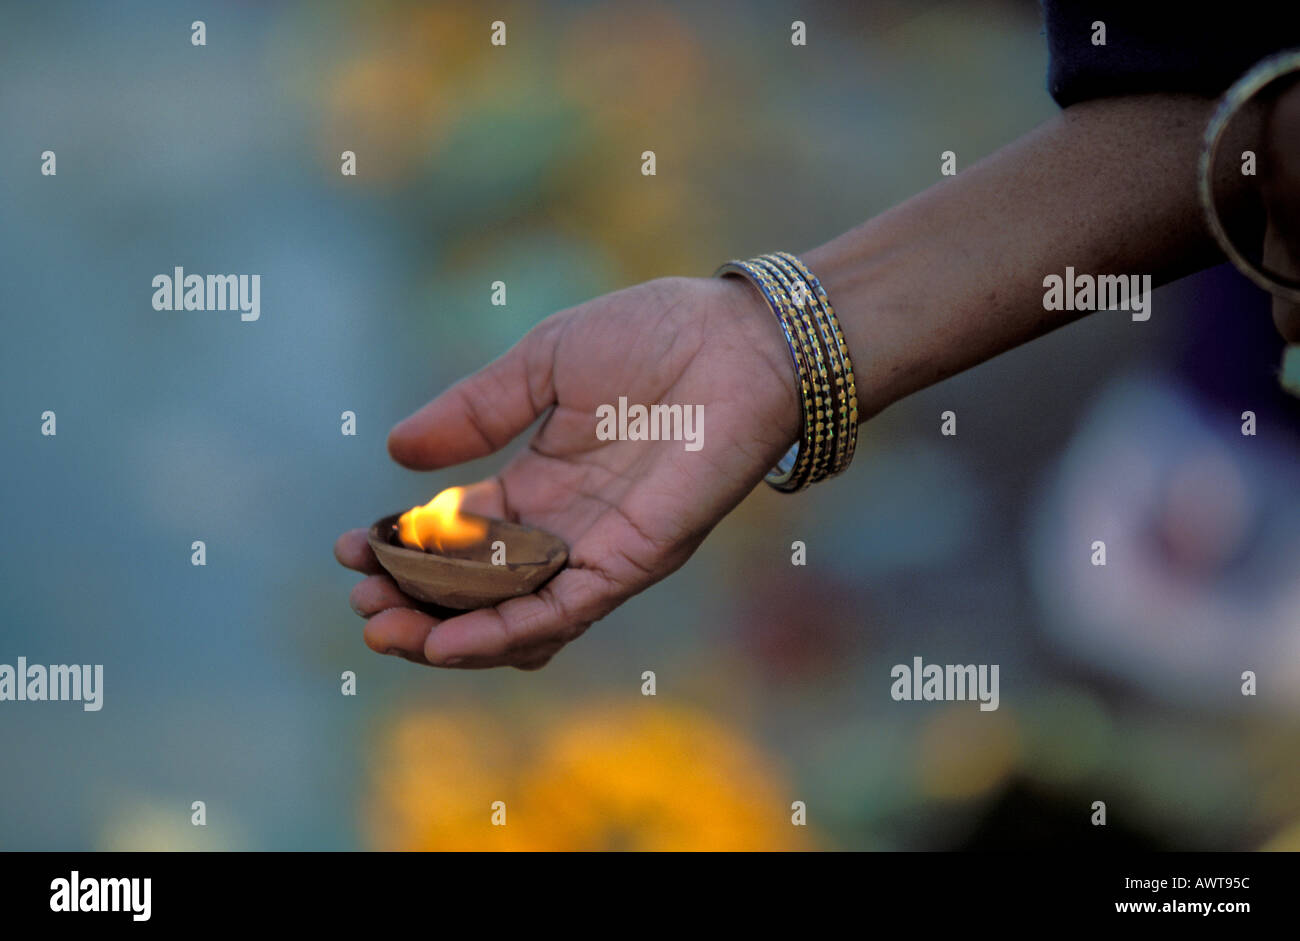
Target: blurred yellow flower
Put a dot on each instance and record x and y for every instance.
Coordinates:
(436, 776)
(650, 777)
(611, 777)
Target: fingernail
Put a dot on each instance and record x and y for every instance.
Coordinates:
(352, 603)
(395, 652)
(453, 661)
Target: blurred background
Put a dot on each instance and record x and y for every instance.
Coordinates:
(522, 164)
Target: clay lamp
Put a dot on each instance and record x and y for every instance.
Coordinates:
(460, 561)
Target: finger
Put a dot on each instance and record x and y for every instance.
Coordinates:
(1286, 315)
(558, 612)
(1282, 254)
(378, 593)
(530, 663)
(526, 658)
(486, 498)
(483, 412)
(399, 632)
(353, 551)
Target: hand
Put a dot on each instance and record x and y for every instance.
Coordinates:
(631, 511)
(1282, 198)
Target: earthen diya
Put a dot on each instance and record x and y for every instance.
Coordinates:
(462, 561)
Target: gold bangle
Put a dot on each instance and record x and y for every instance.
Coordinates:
(797, 297)
(823, 368)
(842, 366)
(791, 472)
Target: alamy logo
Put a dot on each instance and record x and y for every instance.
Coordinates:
(1099, 292)
(59, 682)
(181, 291)
(945, 682)
(75, 894)
(653, 423)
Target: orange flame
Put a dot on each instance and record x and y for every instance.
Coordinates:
(439, 524)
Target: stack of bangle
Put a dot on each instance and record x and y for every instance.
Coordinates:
(822, 368)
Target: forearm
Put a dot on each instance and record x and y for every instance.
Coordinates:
(954, 276)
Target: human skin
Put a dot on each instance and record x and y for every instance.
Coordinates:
(1281, 192)
(944, 281)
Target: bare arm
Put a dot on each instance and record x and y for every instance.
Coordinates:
(954, 276)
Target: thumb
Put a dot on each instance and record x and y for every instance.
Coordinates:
(1280, 256)
(483, 412)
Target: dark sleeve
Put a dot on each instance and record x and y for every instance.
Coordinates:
(1199, 48)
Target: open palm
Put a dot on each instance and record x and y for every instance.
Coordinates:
(631, 511)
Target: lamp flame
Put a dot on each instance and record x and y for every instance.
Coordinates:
(439, 524)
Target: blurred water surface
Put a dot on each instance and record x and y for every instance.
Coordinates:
(521, 164)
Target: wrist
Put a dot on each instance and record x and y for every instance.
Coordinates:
(754, 324)
(822, 366)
